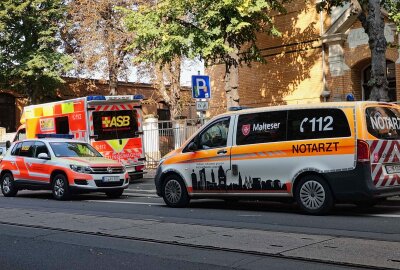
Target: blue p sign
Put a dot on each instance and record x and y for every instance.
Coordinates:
(201, 86)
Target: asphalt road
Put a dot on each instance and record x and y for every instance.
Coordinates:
(48, 245)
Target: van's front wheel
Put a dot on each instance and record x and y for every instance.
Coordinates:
(313, 195)
(174, 192)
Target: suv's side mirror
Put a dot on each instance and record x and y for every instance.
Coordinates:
(192, 147)
(43, 156)
(8, 144)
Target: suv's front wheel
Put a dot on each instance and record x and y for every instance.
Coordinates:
(8, 186)
(60, 187)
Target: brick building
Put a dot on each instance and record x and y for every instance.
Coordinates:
(319, 58)
(11, 103)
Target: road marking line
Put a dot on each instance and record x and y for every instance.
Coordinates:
(142, 203)
(140, 195)
(139, 190)
(386, 215)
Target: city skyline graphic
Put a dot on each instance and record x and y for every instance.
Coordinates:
(218, 181)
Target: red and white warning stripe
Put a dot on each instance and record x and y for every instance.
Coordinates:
(383, 152)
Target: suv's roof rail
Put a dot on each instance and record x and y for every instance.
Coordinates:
(55, 136)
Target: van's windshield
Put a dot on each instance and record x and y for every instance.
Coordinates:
(110, 125)
(383, 122)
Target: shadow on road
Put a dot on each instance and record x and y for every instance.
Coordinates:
(388, 207)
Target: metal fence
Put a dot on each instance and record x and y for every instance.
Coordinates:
(161, 137)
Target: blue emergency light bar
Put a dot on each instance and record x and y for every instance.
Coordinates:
(55, 136)
(89, 98)
(138, 96)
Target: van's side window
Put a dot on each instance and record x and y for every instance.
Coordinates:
(317, 124)
(261, 127)
(215, 136)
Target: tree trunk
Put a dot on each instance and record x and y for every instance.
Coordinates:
(113, 82)
(374, 25)
(173, 71)
(232, 80)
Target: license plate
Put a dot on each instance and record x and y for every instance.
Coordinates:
(393, 168)
(110, 178)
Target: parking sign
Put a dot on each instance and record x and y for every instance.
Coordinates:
(201, 86)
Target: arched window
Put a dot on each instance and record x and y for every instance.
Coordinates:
(391, 77)
(7, 107)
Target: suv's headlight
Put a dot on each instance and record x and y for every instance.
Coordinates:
(81, 169)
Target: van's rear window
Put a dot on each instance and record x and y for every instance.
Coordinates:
(110, 125)
(383, 122)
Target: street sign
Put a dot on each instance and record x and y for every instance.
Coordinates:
(201, 105)
(201, 86)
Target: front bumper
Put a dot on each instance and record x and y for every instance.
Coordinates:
(97, 183)
(157, 181)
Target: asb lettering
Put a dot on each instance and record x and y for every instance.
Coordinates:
(116, 121)
(315, 147)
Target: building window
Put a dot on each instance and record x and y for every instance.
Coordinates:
(391, 77)
(7, 104)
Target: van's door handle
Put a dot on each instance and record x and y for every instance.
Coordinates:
(222, 151)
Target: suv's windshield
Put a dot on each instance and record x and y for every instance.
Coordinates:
(383, 122)
(110, 125)
(73, 149)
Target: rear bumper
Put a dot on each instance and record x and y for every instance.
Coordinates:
(357, 185)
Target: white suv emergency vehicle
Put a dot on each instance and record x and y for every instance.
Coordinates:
(61, 165)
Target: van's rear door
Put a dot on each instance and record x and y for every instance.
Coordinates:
(383, 123)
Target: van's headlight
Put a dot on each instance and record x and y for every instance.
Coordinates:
(81, 169)
(161, 162)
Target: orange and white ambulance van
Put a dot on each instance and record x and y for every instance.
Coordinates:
(111, 124)
(315, 154)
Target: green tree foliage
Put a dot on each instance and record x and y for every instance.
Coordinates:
(218, 31)
(31, 58)
(393, 6)
(96, 37)
(371, 17)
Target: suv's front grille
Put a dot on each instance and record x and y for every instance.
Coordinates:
(108, 170)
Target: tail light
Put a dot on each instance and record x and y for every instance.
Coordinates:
(362, 151)
(139, 168)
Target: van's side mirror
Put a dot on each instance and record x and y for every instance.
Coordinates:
(8, 144)
(192, 147)
(43, 156)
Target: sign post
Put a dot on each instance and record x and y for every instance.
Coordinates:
(201, 92)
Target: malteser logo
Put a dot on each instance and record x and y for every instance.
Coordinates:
(116, 121)
(246, 129)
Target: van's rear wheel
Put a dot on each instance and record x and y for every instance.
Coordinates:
(313, 195)
(174, 192)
